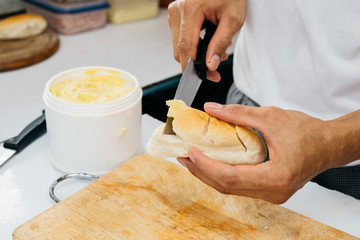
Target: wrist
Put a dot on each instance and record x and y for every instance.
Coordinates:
(343, 136)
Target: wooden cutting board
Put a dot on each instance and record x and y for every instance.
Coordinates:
(16, 54)
(149, 198)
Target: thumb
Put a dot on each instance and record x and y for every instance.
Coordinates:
(237, 114)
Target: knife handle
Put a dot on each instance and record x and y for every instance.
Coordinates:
(30, 133)
(200, 63)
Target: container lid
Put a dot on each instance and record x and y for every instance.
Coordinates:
(10, 7)
(98, 109)
(69, 7)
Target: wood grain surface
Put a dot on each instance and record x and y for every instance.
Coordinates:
(16, 54)
(150, 198)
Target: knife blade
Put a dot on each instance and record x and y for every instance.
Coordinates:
(195, 72)
(189, 84)
(16, 144)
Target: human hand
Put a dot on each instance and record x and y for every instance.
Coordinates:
(300, 147)
(186, 18)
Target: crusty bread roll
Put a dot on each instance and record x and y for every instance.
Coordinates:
(217, 139)
(21, 26)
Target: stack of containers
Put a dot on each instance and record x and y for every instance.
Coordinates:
(70, 16)
(10, 7)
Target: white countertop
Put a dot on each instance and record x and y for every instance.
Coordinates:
(144, 49)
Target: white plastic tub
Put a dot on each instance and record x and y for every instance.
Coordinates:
(93, 138)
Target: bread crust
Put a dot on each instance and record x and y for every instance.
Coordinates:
(217, 139)
(21, 26)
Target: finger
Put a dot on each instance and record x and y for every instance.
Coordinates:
(231, 177)
(174, 23)
(238, 114)
(221, 40)
(268, 195)
(224, 57)
(190, 27)
(245, 180)
(185, 41)
(186, 162)
(213, 76)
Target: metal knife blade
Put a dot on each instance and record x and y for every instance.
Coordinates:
(5, 154)
(194, 74)
(30, 133)
(189, 84)
(196, 71)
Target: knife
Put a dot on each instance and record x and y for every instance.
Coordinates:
(29, 134)
(194, 74)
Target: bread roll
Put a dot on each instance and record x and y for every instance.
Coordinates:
(21, 26)
(217, 139)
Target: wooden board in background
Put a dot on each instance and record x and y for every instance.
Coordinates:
(20, 53)
(149, 198)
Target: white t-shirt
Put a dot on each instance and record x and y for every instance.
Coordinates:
(302, 55)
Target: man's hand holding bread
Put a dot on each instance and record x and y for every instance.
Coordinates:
(296, 142)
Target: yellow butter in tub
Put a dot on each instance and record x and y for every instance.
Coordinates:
(93, 88)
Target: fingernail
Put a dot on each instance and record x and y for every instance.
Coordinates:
(213, 76)
(213, 105)
(181, 161)
(191, 157)
(214, 63)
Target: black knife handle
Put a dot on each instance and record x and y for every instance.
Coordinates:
(200, 63)
(30, 133)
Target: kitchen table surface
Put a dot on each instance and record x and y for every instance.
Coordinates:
(143, 48)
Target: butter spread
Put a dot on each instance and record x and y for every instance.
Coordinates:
(174, 106)
(95, 87)
(121, 132)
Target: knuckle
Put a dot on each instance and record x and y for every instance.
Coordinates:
(269, 112)
(189, 4)
(280, 199)
(234, 108)
(270, 109)
(284, 182)
(223, 190)
(223, 43)
(170, 20)
(236, 19)
(283, 192)
(174, 7)
(171, 7)
(183, 46)
(228, 182)
(176, 56)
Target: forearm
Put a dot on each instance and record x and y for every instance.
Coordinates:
(344, 139)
